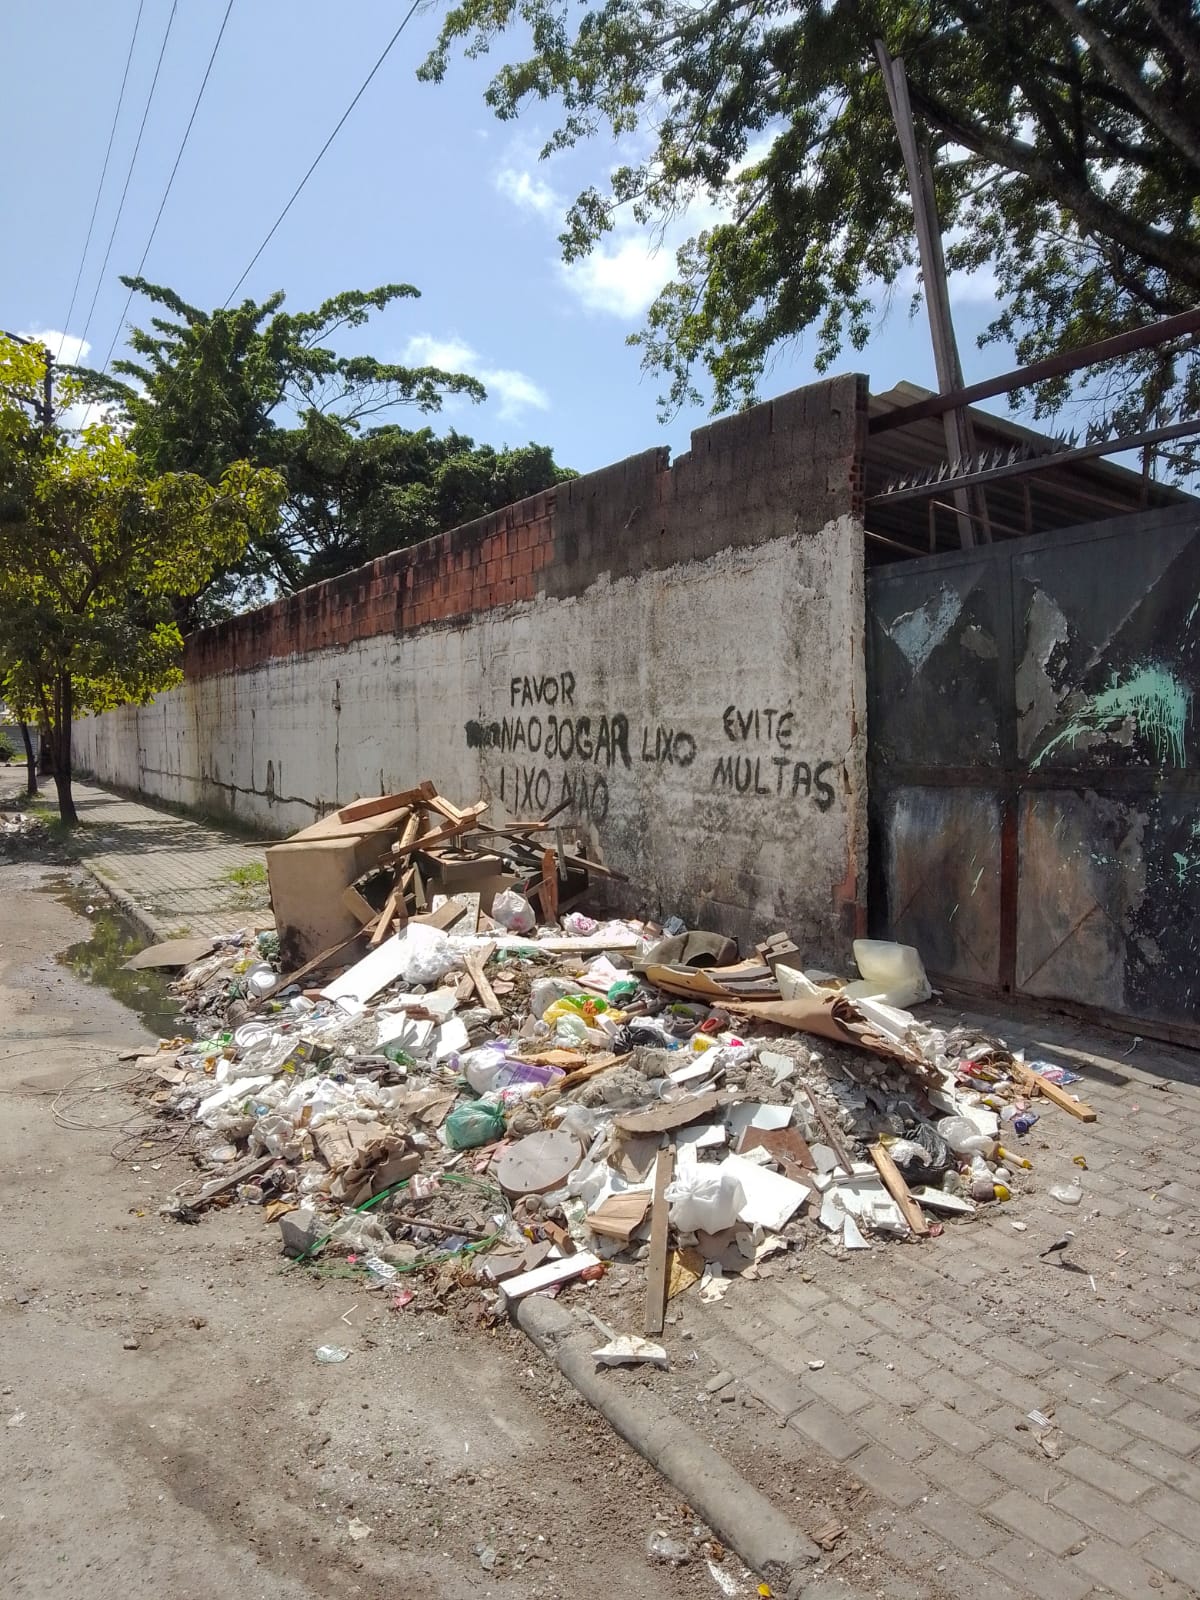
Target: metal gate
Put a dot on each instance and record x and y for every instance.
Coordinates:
(1035, 768)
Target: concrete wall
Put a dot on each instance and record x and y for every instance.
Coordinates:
(678, 651)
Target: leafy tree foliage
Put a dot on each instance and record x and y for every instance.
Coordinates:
(93, 556)
(1066, 137)
(261, 384)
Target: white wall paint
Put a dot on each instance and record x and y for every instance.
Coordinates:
(776, 627)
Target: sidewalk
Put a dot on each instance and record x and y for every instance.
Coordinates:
(893, 1387)
(174, 876)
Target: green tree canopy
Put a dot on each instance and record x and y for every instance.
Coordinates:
(257, 383)
(94, 555)
(1066, 135)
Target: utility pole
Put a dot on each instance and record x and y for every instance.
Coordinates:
(959, 441)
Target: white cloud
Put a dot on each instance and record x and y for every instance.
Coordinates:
(529, 193)
(423, 350)
(515, 392)
(621, 277)
(64, 347)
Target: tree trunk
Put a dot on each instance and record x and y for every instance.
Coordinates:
(61, 743)
(31, 783)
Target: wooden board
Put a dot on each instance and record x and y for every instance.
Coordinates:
(553, 1272)
(1036, 1084)
(665, 1117)
(474, 963)
(172, 953)
(787, 1145)
(452, 829)
(359, 907)
(360, 810)
(893, 1182)
(656, 1266)
(603, 1063)
(391, 906)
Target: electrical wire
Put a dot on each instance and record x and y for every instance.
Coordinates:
(170, 181)
(387, 50)
(137, 22)
(129, 173)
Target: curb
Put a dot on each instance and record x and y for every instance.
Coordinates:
(740, 1516)
(153, 930)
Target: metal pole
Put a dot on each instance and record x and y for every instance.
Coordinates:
(959, 444)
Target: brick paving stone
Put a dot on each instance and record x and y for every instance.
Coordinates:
(1165, 1430)
(965, 1478)
(804, 1296)
(1005, 1385)
(1079, 1424)
(1032, 1472)
(899, 1482)
(1031, 1519)
(777, 1389)
(1121, 1571)
(1130, 1355)
(1161, 1464)
(953, 1520)
(949, 1389)
(827, 1429)
(1174, 1511)
(1087, 1393)
(1016, 1356)
(902, 1353)
(1023, 1562)
(836, 1391)
(1124, 1523)
(729, 1354)
(967, 1578)
(1179, 1557)
(898, 1433)
(1102, 1473)
(893, 1388)
(951, 1428)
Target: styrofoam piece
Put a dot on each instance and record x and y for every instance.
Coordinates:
(890, 1021)
(366, 977)
(239, 1089)
(547, 1275)
(793, 984)
(413, 1033)
(440, 1003)
(692, 1071)
(852, 1235)
(701, 1136)
(938, 1200)
(770, 1198)
(452, 1037)
(750, 1114)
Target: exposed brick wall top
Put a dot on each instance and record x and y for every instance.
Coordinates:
(790, 464)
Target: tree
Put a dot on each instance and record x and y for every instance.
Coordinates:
(1066, 137)
(257, 383)
(93, 554)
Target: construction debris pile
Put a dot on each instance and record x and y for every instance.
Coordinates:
(522, 1099)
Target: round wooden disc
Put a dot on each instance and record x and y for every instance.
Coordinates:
(538, 1163)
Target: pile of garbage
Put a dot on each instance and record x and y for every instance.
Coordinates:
(521, 1104)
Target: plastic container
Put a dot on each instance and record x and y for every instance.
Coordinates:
(963, 1137)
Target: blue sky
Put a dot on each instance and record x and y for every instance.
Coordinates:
(423, 185)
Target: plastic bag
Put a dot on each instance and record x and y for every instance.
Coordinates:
(479, 1122)
(963, 1137)
(579, 926)
(512, 911)
(704, 1198)
(425, 954)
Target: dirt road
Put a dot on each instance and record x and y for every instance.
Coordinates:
(165, 1429)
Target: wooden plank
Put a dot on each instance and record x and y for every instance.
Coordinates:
(474, 963)
(603, 1063)
(670, 1114)
(1036, 1084)
(391, 907)
(656, 1266)
(359, 810)
(893, 1182)
(452, 829)
(553, 1272)
(444, 808)
(448, 912)
(832, 1137)
(548, 888)
(359, 906)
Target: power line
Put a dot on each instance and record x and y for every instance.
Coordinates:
(387, 50)
(137, 22)
(129, 174)
(170, 181)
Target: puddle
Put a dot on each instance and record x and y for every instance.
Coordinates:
(99, 960)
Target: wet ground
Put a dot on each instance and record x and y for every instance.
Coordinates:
(100, 958)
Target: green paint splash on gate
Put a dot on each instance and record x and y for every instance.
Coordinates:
(1152, 698)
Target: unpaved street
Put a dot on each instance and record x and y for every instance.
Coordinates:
(218, 1458)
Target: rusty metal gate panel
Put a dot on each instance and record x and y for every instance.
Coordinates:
(1035, 765)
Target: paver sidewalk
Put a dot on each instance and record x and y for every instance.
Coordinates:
(174, 875)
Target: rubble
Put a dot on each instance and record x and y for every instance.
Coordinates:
(499, 1103)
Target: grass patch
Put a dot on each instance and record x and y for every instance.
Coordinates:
(248, 877)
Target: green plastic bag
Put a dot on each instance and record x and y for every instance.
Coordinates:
(478, 1122)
